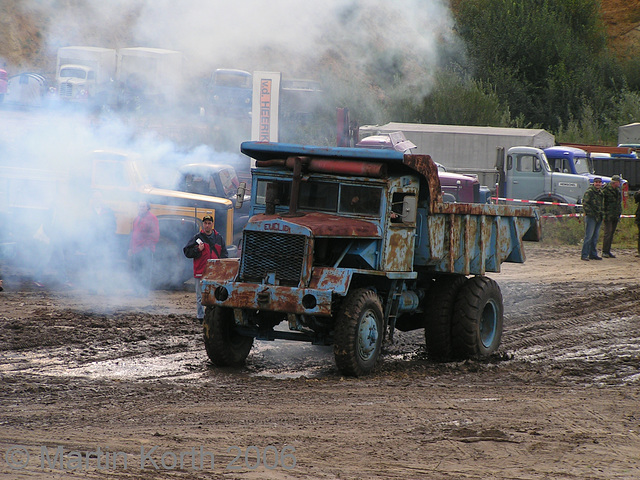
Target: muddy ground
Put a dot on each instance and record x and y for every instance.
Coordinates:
(118, 375)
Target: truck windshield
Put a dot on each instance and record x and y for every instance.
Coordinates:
(583, 165)
(328, 197)
(226, 79)
(73, 73)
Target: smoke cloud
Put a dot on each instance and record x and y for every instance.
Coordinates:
(378, 46)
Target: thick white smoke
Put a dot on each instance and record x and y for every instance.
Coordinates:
(350, 45)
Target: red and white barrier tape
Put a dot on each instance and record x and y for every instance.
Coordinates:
(538, 202)
(578, 215)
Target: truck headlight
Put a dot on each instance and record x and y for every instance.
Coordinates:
(221, 294)
(309, 301)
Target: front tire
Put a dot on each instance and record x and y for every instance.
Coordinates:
(477, 318)
(224, 345)
(359, 332)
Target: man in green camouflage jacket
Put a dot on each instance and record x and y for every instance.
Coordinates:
(592, 205)
(612, 205)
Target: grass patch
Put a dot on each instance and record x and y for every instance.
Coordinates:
(570, 230)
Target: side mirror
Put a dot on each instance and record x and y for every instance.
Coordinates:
(242, 190)
(409, 209)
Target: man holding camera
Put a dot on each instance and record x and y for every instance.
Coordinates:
(205, 245)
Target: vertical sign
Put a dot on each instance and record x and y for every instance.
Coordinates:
(265, 106)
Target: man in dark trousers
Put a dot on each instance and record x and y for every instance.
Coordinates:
(205, 245)
(592, 205)
(612, 198)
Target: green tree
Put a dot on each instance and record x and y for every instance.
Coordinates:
(547, 60)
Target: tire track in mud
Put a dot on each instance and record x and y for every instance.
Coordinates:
(588, 332)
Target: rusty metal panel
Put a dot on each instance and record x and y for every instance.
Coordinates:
(398, 252)
(424, 165)
(476, 244)
(336, 279)
(222, 270)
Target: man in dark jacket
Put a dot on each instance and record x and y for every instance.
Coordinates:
(612, 206)
(206, 245)
(592, 205)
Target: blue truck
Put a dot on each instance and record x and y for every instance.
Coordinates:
(230, 92)
(574, 160)
(347, 245)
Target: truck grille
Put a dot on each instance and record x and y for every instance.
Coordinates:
(66, 89)
(264, 253)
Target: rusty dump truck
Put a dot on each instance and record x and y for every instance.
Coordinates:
(346, 245)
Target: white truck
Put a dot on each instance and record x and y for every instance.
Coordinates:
(510, 161)
(153, 75)
(465, 149)
(85, 74)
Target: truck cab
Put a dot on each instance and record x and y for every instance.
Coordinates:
(230, 93)
(85, 73)
(527, 175)
(76, 82)
(216, 181)
(577, 162)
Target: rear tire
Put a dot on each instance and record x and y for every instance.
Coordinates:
(477, 318)
(224, 345)
(440, 303)
(359, 332)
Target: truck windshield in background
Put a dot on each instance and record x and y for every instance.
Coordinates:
(569, 160)
(73, 73)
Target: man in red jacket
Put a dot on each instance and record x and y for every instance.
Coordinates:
(144, 236)
(206, 245)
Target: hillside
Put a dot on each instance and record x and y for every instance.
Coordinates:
(622, 18)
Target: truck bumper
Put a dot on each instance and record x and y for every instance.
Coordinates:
(220, 288)
(273, 298)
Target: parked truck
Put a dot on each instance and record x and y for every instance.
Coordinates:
(229, 94)
(346, 245)
(525, 174)
(488, 153)
(577, 162)
(456, 187)
(148, 76)
(85, 74)
(609, 160)
(465, 149)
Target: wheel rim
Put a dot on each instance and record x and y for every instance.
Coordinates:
(367, 336)
(489, 324)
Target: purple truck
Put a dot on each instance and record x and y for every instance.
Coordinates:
(455, 187)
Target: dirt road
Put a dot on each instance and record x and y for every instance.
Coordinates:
(128, 379)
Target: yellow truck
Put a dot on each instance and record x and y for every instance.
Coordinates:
(45, 203)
